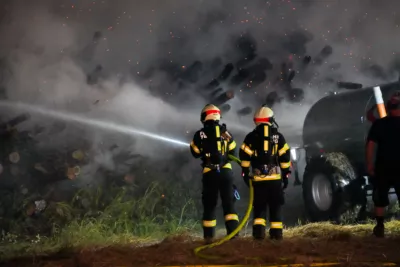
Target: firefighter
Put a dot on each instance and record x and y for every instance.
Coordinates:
(383, 173)
(267, 153)
(212, 144)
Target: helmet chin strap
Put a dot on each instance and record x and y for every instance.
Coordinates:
(274, 122)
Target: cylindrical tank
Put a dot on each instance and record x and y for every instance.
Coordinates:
(338, 123)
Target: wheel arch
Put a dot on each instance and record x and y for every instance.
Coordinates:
(338, 169)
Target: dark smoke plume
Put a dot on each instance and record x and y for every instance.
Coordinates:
(154, 65)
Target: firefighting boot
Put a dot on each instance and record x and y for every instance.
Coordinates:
(231, 226)
(258, 232)
(208, 240)
(230, 229)
(276, 234)
(228, 232)
(208, 234)
(379, 230)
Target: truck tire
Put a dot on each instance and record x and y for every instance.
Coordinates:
(325, 178)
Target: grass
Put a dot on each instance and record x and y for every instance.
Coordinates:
(328, 230)
(95, 233)
(121, 217)
(91, 233)
(99, 218)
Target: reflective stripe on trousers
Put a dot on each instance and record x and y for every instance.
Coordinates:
(276, 225)
(211, 223)
(260, 221)
(231, 217)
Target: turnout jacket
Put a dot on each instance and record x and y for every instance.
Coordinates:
(265, 150)
(213, 144)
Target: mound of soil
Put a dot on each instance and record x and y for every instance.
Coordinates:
(350, 251)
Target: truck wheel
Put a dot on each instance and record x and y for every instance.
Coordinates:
(323, 183)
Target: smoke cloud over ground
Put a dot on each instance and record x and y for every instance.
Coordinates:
(147, 63)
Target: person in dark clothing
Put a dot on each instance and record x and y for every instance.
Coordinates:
(370, 113)
(266, 151)
(213, 143)
(384, 172)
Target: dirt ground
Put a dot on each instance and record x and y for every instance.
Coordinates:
(351, 251)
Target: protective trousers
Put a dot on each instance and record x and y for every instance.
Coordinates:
(268, 195)
(213, 183)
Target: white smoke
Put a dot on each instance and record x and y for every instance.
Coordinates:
(48, 49)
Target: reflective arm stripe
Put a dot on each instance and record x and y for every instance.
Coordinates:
(276, 225)
(247, 149)
(195, 148)
(232, 145)
(283, 149)
(245, 164)
(260, 221)
(231, 217)
(285, 165)
(211, 223)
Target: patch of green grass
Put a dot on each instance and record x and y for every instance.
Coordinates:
(121, 216)
(123, 219)
(92, 233)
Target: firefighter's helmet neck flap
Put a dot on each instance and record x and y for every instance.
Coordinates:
(264, 115)
(210, 114)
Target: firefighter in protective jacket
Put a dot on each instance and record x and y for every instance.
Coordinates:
(212, 144)
(267, 153)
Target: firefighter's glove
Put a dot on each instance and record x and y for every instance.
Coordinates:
(246, 178)
(285, 182)
(285, 179)
(372, 180)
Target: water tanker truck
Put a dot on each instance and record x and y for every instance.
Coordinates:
(330, 164)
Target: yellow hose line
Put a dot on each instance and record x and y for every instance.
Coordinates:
(228, 237)
(322, 264)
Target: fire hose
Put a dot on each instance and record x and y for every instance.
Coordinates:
(237, 230)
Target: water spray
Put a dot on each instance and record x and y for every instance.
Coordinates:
(105, 125)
